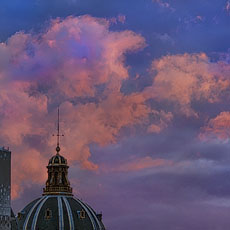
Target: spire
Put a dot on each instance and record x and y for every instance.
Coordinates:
(58, 182)
(58, 133)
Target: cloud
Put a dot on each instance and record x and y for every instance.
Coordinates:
(163, 4)
(184, 78)
(119, 19)
(79, 64)
(143, 163)
(165, 38)
(65, 66)
(227, 6)
(217, 128)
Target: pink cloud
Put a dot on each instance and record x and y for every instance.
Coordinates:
(200, 18)
(121, 18)
(141, 164)
(182, 79)
(72, 61)
(79, 64)
(227, 6)
(217, 128)
(164, 4)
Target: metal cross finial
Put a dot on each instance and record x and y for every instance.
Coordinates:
(58, 134)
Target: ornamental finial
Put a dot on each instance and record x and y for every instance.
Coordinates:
(58, 133)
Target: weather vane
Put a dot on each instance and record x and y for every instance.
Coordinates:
(58, 133)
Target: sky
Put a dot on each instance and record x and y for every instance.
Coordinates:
(143, 88)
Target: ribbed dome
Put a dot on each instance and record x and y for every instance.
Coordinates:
(57, 209)
(59, 213)
(57, 182)
(57, 160)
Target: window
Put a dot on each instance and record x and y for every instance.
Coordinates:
(19, 216)
(99, 216)
(56, 178)
(82, 214)
(48, 214)
(64, 182)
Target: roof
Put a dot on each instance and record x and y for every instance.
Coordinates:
(59, 212)
(3, 149)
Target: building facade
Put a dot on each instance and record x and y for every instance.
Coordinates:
(5, 189)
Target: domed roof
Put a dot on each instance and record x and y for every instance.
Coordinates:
(59, 212)
(57, 209)
(57, 160)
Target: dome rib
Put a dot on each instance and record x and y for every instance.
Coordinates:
(60, 214)
(37, 213)
(66, 215)
(30, 213)
(71, 222)
(89, 214)
(95, 217)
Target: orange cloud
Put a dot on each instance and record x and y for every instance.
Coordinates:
(217, 128)
(28, 165)
(79, 64)
(141, 164)
(163, 120)
(182, 79)
(101, 123)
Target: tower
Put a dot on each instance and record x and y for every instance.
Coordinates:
(58, 209)
(57, 182)
(5, 188)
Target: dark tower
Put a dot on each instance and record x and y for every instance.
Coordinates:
(57, 182)
(58, 208)
(5, 187)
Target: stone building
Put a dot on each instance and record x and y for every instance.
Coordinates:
(58, 209)
(5, 187)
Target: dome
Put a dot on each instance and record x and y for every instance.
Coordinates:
(58, 209)
(57, 182)
(59, 213)
(57, 160)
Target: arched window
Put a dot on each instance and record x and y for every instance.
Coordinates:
(48, 214)
(63, 178)
(82, 214)
(19, 216)
(56, 178)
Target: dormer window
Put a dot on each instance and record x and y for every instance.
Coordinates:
(99, 216)
(81, 214)
(56, 160)
(48, 214)
(20, 215)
